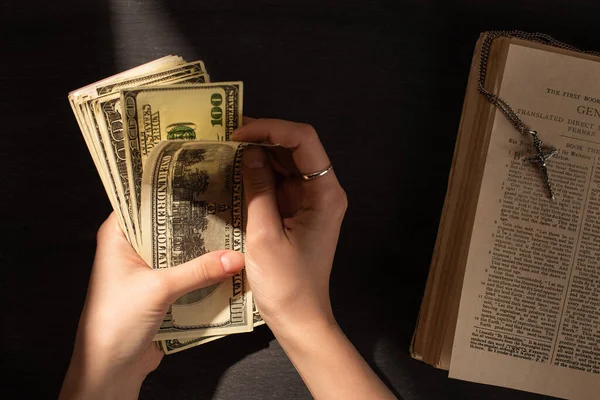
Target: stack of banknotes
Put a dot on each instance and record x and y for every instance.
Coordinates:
(159, 137)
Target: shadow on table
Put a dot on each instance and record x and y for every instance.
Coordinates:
(196, 373)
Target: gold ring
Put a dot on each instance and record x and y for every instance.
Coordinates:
(317, 174)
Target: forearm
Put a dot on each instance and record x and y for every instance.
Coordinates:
(86, 381)
(330, 365)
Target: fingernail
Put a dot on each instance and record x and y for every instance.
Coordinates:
(235, 134)
(254, 158)
(229, 263)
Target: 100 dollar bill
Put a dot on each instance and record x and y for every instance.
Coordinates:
(208, 111)
(174, 346)
(108, 111)
(193, 203)
(80, 100)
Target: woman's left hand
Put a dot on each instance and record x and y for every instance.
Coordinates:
(125, 305)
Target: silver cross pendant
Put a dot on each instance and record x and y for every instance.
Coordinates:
(540, 157)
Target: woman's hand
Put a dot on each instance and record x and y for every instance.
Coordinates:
(291, 236)
(125, 305)
(293, 225)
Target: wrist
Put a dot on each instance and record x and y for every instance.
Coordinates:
(300, 316)
(89, 379)
(292, 334)
(329, 364)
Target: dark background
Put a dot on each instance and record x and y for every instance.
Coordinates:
(383, 84)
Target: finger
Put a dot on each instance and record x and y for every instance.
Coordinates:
(259, 187)
(307, 151)
(203, 271)
(111, 243)
(282, 161)
(247, 120)
(110, 228)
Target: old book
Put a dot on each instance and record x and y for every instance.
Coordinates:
(513, 293)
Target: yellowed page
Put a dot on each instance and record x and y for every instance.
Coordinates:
(529, 315)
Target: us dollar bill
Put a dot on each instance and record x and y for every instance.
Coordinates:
(95, 148)
(175, 345)
(156, 77)
(81, 100)
(193, 203)
(210, 111)
(95, 159)
(78, 98)
(167, 72)
(109, 112)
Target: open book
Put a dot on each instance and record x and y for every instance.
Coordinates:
(513, 293)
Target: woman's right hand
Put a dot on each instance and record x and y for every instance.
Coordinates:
(291, 236)
(293, 225)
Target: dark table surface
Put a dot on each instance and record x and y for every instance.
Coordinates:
(383, 84)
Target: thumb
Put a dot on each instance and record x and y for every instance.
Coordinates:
(206, 270)
(259, 187)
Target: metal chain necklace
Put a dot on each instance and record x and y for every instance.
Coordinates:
(541, 156)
